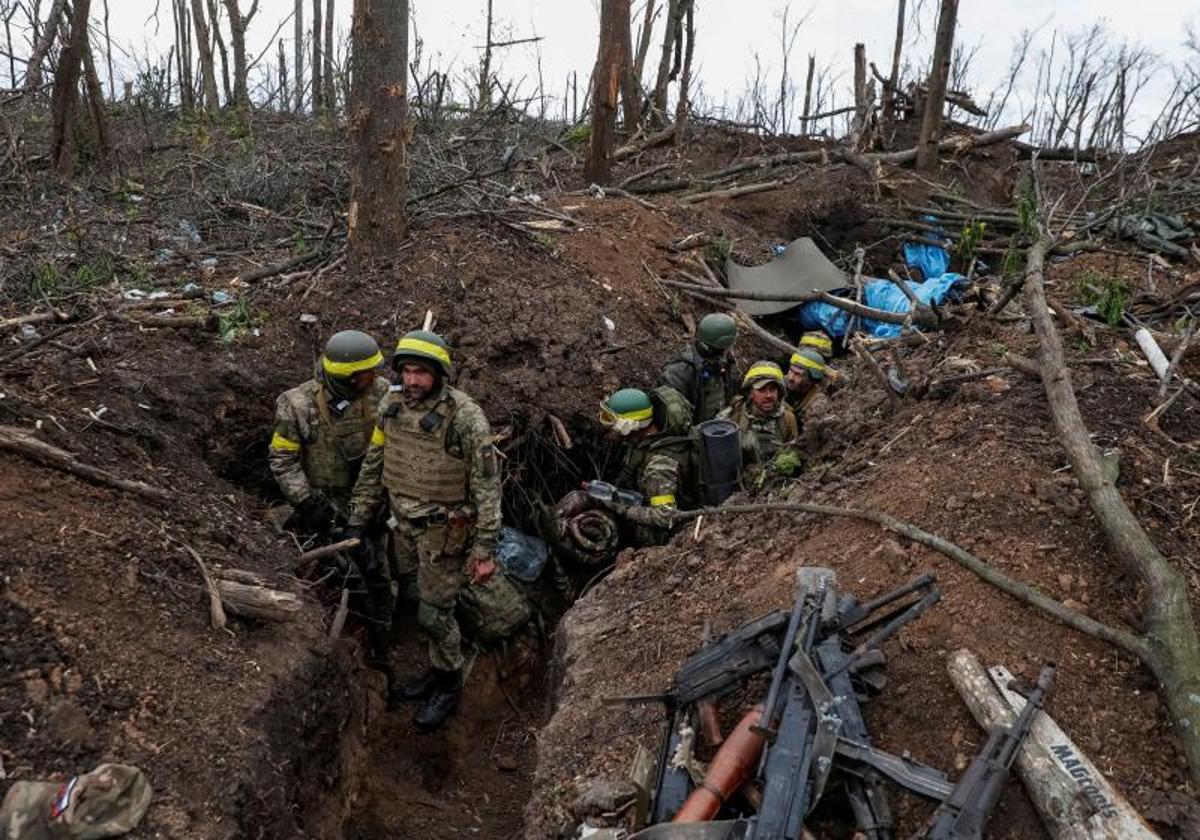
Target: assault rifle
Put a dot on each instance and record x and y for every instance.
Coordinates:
(963, 814)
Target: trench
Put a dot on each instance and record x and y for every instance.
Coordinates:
(356, 769)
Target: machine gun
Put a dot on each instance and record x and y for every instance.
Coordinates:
(963, 814)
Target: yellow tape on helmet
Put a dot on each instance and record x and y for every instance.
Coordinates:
(347, 368)
(428, 348)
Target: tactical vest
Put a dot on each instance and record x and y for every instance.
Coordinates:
(680, 447)
(334, 452)
(765, 434)
(416, 463)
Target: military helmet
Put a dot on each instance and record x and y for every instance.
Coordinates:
(818, 341)
(810, 361)
(717, 331)
(761, 374)
(349, 352)
(424, 347)
(627, 410)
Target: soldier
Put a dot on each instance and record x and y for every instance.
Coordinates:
(766, 421)
(431, 453)
(807, 384)
(819, 341)
(704, 372)
(656, 465)
(322, 429)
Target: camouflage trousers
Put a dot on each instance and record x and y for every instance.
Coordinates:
(439, 553)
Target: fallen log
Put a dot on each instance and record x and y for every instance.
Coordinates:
(257, 602)
(656, 139)
(734, 192)
(13, 439)
(268, 271)
(33, 318)
(1170, 647)
(1072, 797)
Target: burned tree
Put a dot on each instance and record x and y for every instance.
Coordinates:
(65, 99)
(611, 57)
(330, 95)
(208, 70)
(378, 117)
(298, 70)
(318, 89)
(33, 70)
(939, 72)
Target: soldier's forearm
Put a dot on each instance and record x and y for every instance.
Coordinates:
(662, 516)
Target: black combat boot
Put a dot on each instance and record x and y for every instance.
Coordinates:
(412, 690)
(442, 703)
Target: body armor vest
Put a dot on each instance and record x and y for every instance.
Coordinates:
(416, 463)
(334, 453)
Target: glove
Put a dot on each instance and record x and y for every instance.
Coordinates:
(316, 513)
(363, 554)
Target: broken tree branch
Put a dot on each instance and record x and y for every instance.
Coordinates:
(13, 439)
(216, 611)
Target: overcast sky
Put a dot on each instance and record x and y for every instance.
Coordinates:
(730, 32)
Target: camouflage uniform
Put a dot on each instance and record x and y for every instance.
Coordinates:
(435, 460)
(659, 467)
(318, 445)
(708, 384)
(763, 436)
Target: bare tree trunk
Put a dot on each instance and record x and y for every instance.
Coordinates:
(888, 107)
(631, 103)
(284, 96)
(683, 108)
(208, 70)
(214, 14)
(33, 70)
(318, 89)
(1172, 647)
(183, 55)
(943, 54)
(377, 220)
(330, 91)
(808, 89)
(639, 62)
(96, 105)
(483, 98)
(237, 38)
(614, 16)
(12, 59)
(64, 101)
(670, 36)
(298, 61)
(112, 84)
(858, 127)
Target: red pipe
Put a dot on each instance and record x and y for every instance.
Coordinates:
(731, 767)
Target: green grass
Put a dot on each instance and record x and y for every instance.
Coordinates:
(1108, 293)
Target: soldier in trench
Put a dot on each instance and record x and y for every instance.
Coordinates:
(321, 433)
(766, 423)
(432, 458)
(704, 371)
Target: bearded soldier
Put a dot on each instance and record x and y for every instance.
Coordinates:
(432, 458)
(322, 429)
(767, 423)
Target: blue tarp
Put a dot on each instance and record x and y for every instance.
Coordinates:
(522, 555)
(878, 294)
(932, 260)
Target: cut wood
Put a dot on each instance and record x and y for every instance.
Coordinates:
(258, 602)
(1072, 797)
(267, 271)
(326, 551)
(33, 318)
(173, 322)
(734, 192)
(13, 439)
(659, 138)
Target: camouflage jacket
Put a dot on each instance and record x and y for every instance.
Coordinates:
(708, 385)
(763, 435)
(319, 442)
(466, 439)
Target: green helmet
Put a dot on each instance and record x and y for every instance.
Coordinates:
(717, 331)
(349, 352)
(627, 410)
(424, 347)
(810, 361)
(763, 373)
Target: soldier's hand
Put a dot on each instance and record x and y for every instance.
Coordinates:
(316, 513)
(482, 568)
(363, 554)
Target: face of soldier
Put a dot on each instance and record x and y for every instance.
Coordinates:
(362, 381)
(798, 380)
(417, 380)
(766, 398)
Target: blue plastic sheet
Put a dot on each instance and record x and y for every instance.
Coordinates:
(522, 555)
(932, 260)
(878, 294)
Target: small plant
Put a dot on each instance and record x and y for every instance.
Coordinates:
(577, 136)
(1012, 265)
(46, 279)
(238, 320)
(543, 242)
(968, 243)
(717, 251)
(1108, 293)
(1027, 214)
(788, 462)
